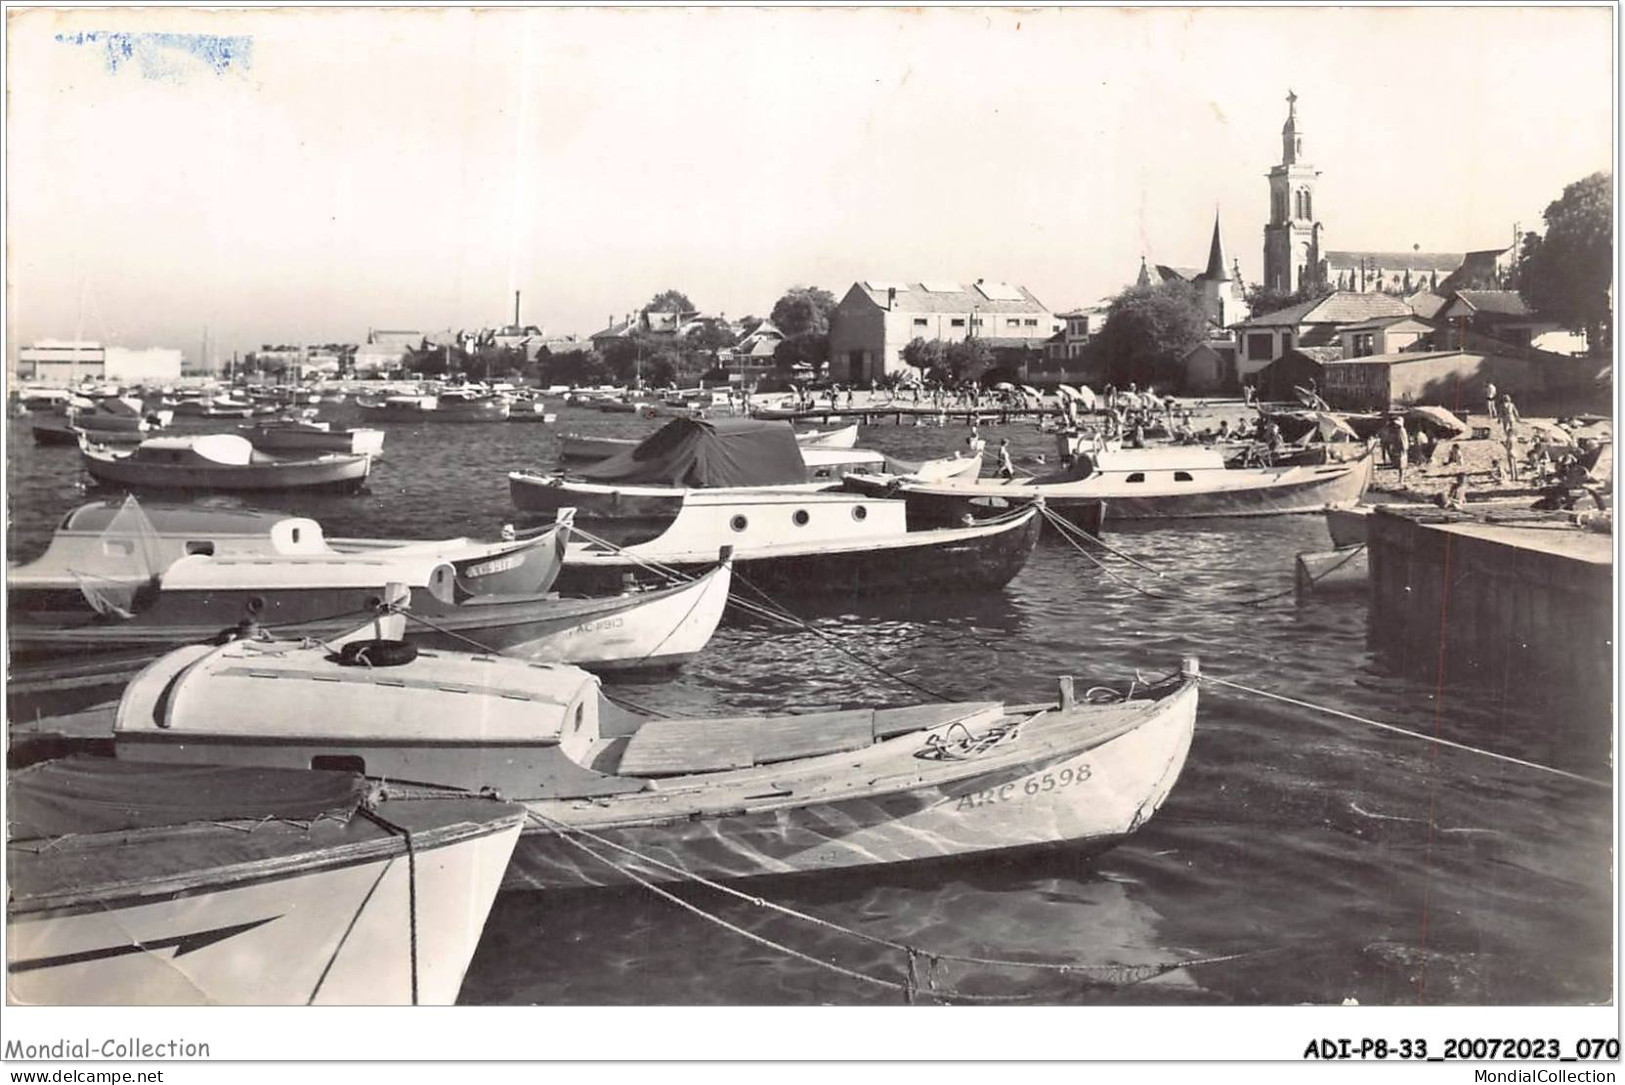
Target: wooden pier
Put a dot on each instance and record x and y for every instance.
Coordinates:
(873, 414)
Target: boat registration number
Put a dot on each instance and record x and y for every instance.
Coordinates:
(497, 565)
(1037, 784)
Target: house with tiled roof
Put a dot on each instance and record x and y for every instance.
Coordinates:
(877, 318)
(1499, 313)
(1312, 323)
(1382, 335)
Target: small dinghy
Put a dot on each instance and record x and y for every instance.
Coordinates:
(303, 435)
(221, 462)
(718, 798)
(135, 884)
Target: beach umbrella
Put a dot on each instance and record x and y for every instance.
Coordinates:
(1068, 391)
(1330, 425)
(1004, 386)
(1552, 434)
(1439, 418)
(1031, 391)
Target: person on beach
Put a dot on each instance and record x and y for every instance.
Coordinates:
(1509, 436)
(1007, 468)
(1399, 445)
(1489, 400)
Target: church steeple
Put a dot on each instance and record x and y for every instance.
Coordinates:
(1216, 271)
(1291, 245)
(1291, 138)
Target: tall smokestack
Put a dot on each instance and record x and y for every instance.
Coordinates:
(516, 308)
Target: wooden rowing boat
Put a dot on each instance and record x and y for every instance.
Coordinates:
(717, 798)
(140, 884)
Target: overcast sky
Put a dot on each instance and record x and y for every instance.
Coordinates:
(341, 170)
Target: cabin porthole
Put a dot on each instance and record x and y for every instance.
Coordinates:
(205, 548)
(1138, 476)
(800, 518)
(739, 523)
(859, 512)
(295, 534)
(255, 605)
(1183, 476)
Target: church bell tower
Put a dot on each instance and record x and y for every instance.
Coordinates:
(1292, 237)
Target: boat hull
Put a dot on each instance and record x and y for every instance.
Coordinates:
(1095, 796)
(636, 504)
(658, 628)
(330, 928)
(1307, 489)
(341, 474)
(911, 562)
(949, 507)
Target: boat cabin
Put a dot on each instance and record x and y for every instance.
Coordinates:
(92, 535)
(457, 720)
(208, 450)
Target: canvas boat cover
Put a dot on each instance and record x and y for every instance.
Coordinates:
(708, 453)
(82, 795)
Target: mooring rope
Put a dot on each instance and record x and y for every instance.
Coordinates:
(805, 626)
(1208, 678)
(1120, 975)
(1070, 541)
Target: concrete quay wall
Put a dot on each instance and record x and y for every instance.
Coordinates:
(1497, 605)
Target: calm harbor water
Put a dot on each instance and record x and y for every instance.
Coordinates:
(1328, 859)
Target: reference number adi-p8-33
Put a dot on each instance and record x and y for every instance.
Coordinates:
(1461, 1047)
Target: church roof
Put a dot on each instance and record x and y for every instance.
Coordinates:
(1349, 259)
(1216, 271)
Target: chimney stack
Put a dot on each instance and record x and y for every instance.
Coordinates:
(516, 309)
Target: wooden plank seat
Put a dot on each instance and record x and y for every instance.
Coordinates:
(680, 747)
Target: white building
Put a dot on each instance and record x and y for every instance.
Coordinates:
(876, 320)
(65, 362)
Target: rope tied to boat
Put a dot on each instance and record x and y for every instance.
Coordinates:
(1067, 532)
(1109, 974)
(369, 811)
(939, 747)
(1435, 739)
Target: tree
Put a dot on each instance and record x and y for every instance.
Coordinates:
(576, 367)
(968, 359)
(1566, 275)
(802, 314)
(670, 301)
(1148, 331)
(621, 356)
(927, 355)
(1264, 299)
(749, 324)
(712, 335)
(803, 311)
